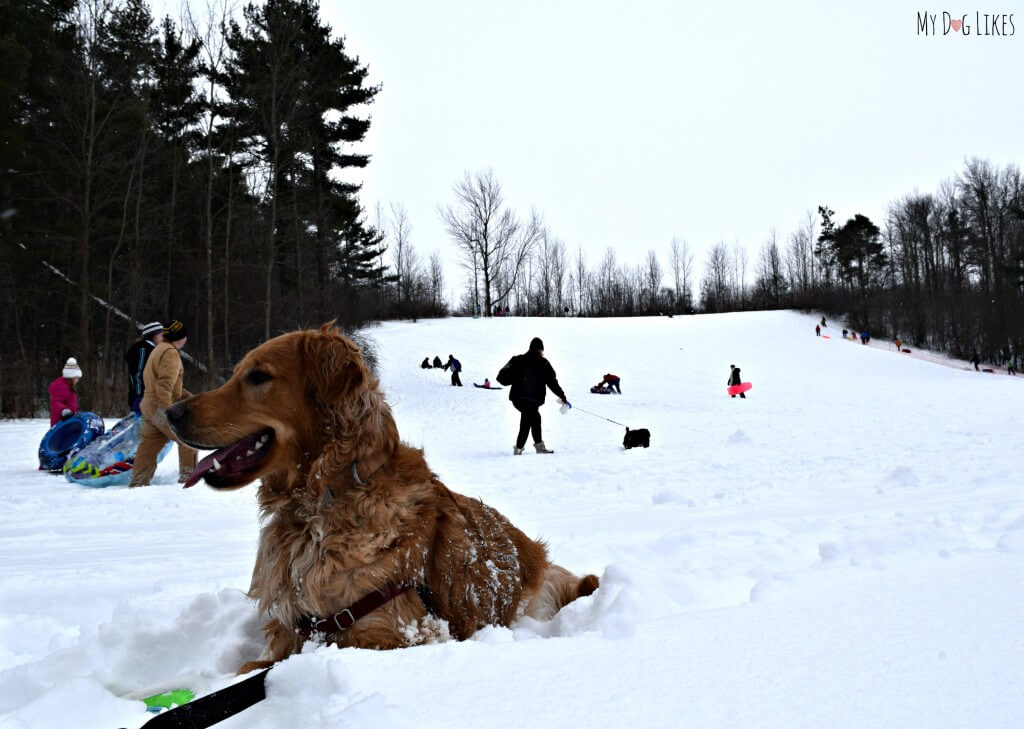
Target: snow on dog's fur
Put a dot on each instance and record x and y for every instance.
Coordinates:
(349, 508)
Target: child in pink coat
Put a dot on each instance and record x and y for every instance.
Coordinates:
(63, 398)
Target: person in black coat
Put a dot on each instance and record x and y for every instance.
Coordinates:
(456, 369)
(437, 363)
(530, 375)
(136, 357)
(425, 364)
(734, 379)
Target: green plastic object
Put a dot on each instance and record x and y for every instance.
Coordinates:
(168, 699)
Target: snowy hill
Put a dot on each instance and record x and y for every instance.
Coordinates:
(842, 549)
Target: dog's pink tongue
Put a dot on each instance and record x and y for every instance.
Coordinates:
(205, 466)
(200, 470)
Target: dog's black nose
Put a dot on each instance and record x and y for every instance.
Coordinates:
(177, 414)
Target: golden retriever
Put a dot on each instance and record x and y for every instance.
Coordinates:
(351, 513)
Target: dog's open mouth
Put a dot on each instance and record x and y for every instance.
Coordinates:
(234, 465)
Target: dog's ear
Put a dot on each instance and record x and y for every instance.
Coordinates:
(333, 364)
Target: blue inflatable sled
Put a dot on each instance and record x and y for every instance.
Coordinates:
(64, 437)
(108, 460)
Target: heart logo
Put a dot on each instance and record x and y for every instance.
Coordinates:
(956, 24)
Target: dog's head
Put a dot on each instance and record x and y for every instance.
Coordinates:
(288, 401)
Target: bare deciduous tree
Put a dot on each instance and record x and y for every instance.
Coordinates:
(492, 239)
(682, 273)
(715, 286)
(652, 275)
(579, 277)
(550, 274)
(770, 283)
(436, 288)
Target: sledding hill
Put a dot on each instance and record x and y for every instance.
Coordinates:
(843, 548)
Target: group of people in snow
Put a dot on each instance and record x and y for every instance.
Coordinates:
(530, 375)
(155, 376)
(453, 364)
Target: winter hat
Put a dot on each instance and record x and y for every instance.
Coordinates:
(536, 345)
(71, 368)
(148, 330)
(175, 331)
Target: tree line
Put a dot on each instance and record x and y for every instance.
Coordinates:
(943, 270)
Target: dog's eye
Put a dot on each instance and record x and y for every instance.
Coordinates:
(258, 377)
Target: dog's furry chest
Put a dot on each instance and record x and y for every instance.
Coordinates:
(311, 567)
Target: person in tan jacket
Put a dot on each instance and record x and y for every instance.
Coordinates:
(162, 377)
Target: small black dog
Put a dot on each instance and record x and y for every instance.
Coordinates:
(635, 438)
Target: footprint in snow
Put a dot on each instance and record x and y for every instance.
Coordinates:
(738, 438)
(903, 477)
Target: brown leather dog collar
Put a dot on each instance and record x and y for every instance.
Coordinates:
(346, 618)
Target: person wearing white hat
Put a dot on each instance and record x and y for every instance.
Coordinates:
(63, 398)
(136, 358)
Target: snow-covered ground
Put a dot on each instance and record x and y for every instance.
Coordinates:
(844, 548)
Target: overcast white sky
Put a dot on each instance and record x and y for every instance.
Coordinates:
(626, 124)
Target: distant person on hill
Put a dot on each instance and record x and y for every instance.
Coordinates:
(823, 321)
(899, 344)
(817, 330)
(611, 383)
(530, 376)
(63, 397)
(844, 333)
(437, 363)
(456, 369)
(1010, 370)
(864, 337)
(734, 379)
(975, 360)
(425, 364)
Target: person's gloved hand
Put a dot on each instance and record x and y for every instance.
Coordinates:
(566, 407)
(135, 405)
(65, 414)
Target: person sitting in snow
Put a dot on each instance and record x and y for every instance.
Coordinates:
(437, 363)
(425, 364)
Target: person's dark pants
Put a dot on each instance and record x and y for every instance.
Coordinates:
(456, 382)
(529, 420)
(615, 386)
